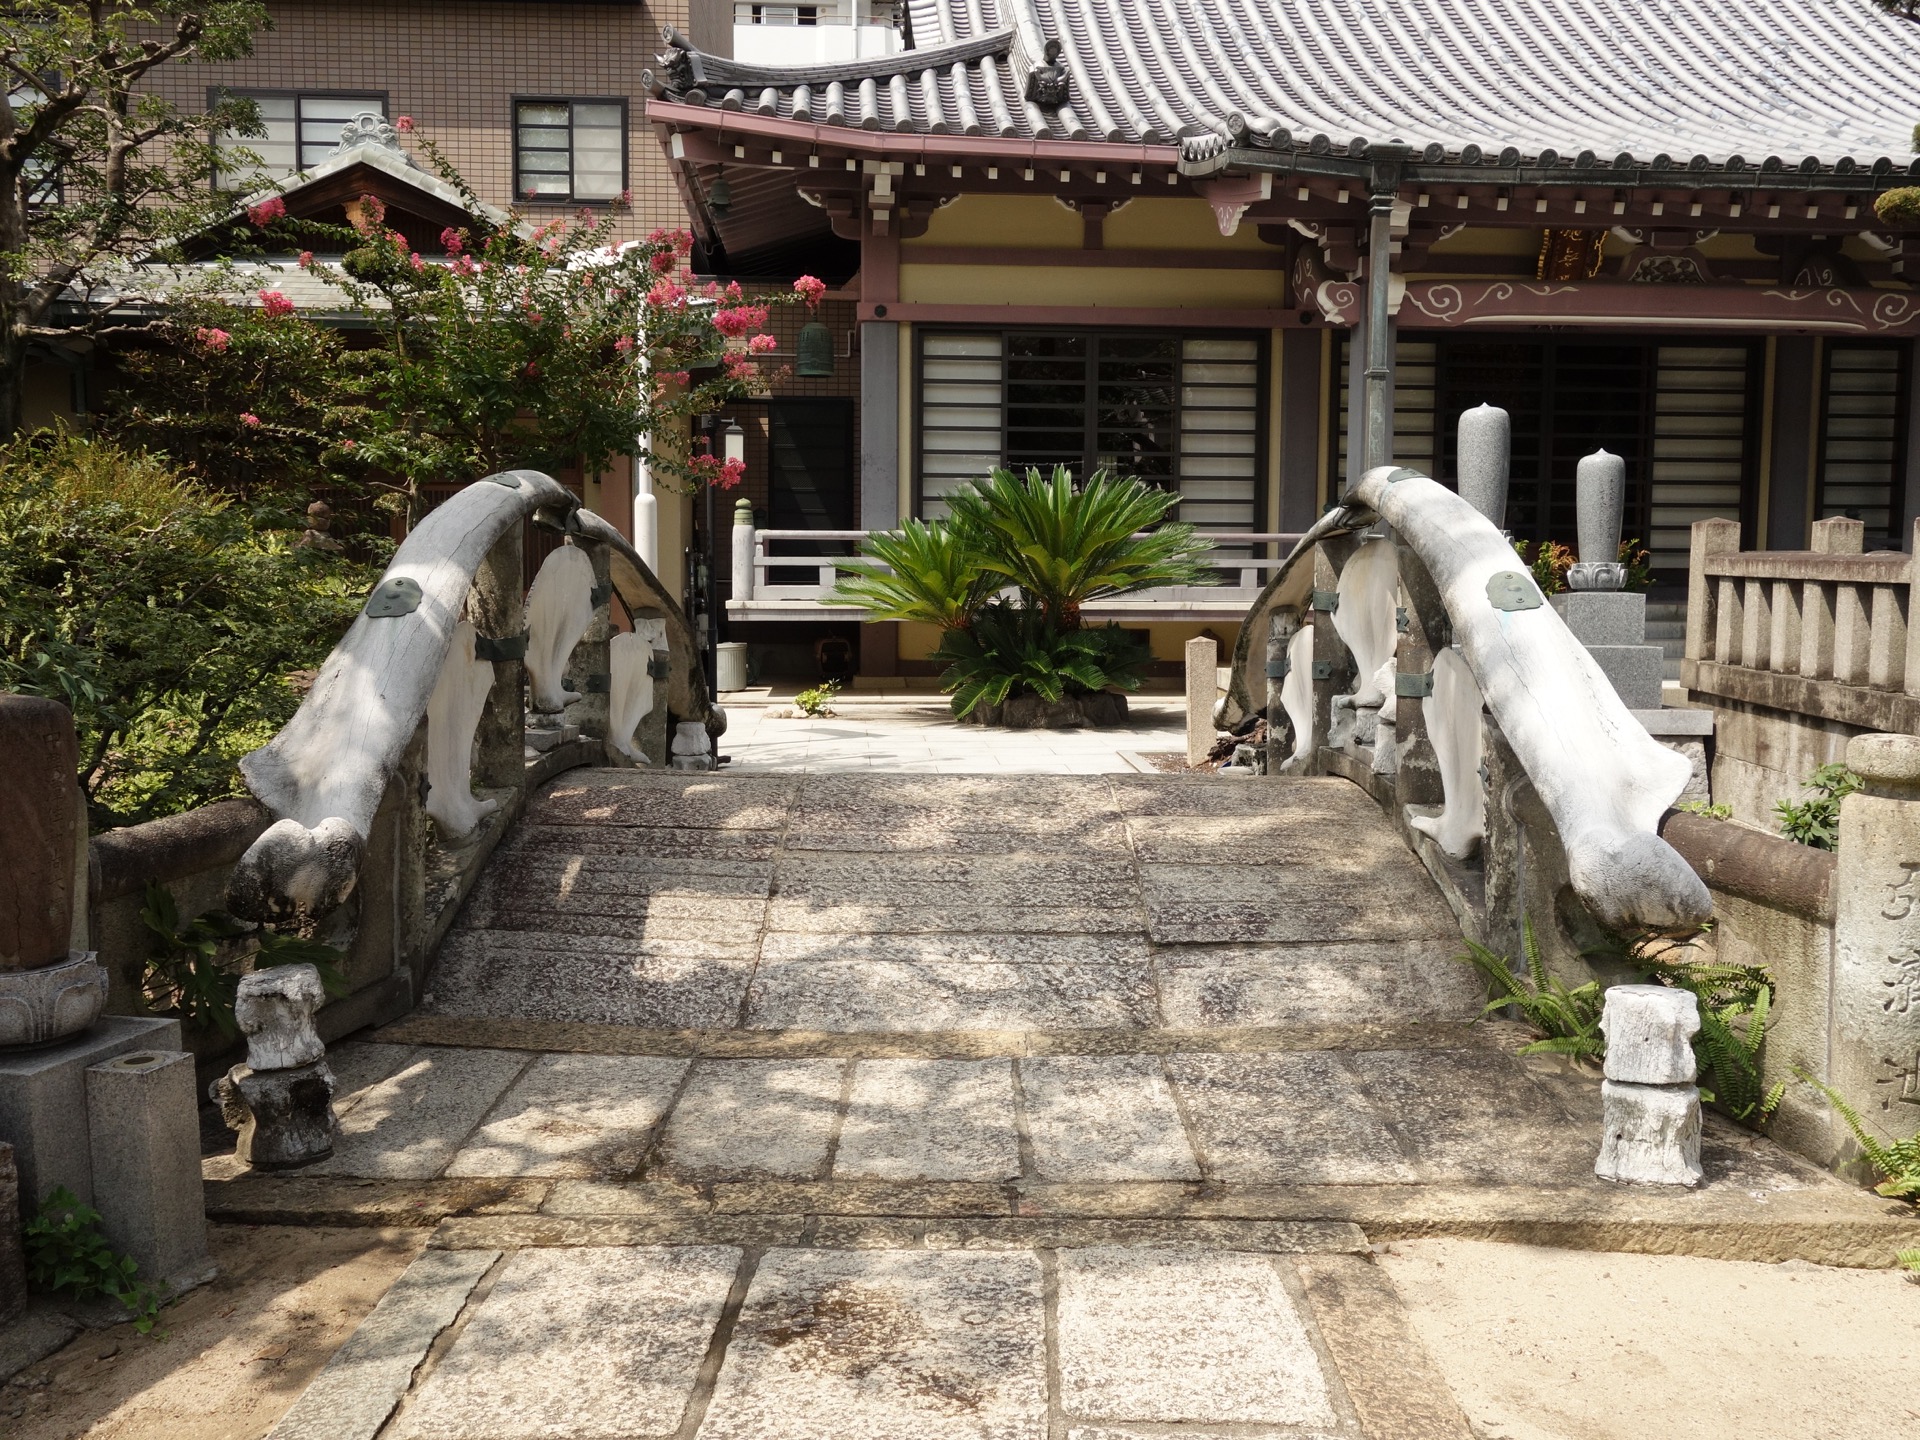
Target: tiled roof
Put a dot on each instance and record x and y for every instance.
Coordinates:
(1834, 81)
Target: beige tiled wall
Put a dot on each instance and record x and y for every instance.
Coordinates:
(455, 66)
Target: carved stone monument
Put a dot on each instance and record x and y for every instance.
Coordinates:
(48, 989)
(1650, 1127)
(1604, 617)
(692, 747)
(1485, 460)
(281, 1100)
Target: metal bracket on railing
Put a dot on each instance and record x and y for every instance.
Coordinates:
(1327, 670)
(396, 595)
(1413, 685)
(1400, 621)
(502, 647)
(658, 668)
(1327, 600)
(1279, 669)
(601, 684)
(600, 594)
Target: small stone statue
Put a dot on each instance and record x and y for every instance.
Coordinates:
(1048, 85)
(1600, 496)
(319, 523)
(692, 749)
(281, 1101)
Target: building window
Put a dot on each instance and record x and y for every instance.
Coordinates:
(1182, 412)
(570, 149)
(1860, 440)
(302, 129)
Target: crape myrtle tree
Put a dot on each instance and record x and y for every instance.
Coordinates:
(1900, 206)
(517, 346)
(95, 169)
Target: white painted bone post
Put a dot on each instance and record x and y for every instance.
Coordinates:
(453, 715)
(559, 610)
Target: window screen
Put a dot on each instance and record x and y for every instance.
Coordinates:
(570, 149)
(1860, 440)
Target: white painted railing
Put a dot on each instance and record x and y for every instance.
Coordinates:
(756, 557)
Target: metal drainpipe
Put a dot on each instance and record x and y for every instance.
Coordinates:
(1377, 448)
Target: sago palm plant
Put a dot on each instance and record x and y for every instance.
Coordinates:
(1065, 547)
(932, 573)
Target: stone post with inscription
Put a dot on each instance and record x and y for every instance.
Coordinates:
(1876, 937)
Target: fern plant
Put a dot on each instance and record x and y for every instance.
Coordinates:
(1816, 822)
(1898, 1160)
(927, 571)
(184, 974)
(1011, 650)
(1568, 1019)
(1726, 1050)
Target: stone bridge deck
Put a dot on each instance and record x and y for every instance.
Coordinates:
(956, 1106)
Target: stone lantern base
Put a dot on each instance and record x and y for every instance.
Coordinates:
(40, 1007)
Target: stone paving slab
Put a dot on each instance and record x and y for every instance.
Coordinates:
(767, 1117)
(560, 870)
(857, 997)
(1474, 1116)
(501, 899)
(651, 982)
(409, 1125)
(1306, 917)
(1104, 1118)
(948, 949)
(574, 1115)
(664, 801)
(1185, 1336)
(886, 1345)
(941, 835)
(367, 1377)
(1292, 984)
(657, 845)
(930, 1120)
(358, 1066)
(1216, 796)
(1287, 1119)
(957, 916)
(1395, 1387)
(577, 1343)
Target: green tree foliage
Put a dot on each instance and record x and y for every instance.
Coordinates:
(170, 618)
(930, 572)
(1065, 545)
(1013, 650)
(1816, 821)
(96, 167)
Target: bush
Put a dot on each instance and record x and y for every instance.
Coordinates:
(1011, 650)
(174, 621)
(1816, 822)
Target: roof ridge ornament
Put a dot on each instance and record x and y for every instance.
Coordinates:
(369, 127)
(1048, 85)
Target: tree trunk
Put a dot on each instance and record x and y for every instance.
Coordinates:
(13, 376)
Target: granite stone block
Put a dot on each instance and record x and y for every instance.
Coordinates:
(842, 997)
(754, 1117)
(144, 1138)
(1635, 672)
(1185, 1336)
(1286, 1119)
(409, 1125)
(929, 1120)
(578, 1342)
(1650, 1134)
(886, 1345)
(579, 1116)
(1104, 1118)
(43, 1102)
(1650, 1030)
(1603, 617)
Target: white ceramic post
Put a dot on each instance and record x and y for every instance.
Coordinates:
(1453, 725)
(559, 610)
(453, 715)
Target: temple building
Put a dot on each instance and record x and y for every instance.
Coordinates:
(1201, 243)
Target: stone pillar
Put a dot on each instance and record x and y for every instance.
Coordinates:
(281, 1100)
(1203, 684)
(1330, 667)
(1485, 458)
(743, 576)
(48, 991)
(879, 425)
(1874, 1041)
(1611, 623)
(496, 606)
(1282, 625)
(1416, 776)
(589, 668)
(1600, 498)
(13, 1265)
(1650, 1131)
(145, 1142)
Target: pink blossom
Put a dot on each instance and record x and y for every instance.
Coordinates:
(732, 473)
(533, 317)
(657, 236)
(665, 293)
(452, 241)
(739, 367)
(623, 344)
(533, 369)
(683, 242)
(810, 289)
(348, 445)
(679, 377)
(213, 339)
(464, 266)
(739, 320)
(663, 261)
(626, 197)
(762, 344)
(267, 211)
(419, 265)
(249, 419)
(404, 124)
(275, 304)
(306, 259)
(734, 291)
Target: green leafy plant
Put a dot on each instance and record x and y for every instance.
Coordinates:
(67, 1255)
(1568, 1019)
(1548, 562)
(1638, 561)
(1909, 1261)
(1011, 650)
(1065, 545)
(1897, 1160)
(193, 969)
(1816, 821)
(813, 702)
(1704, 810)
(931, 572)
(1735, 1001)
